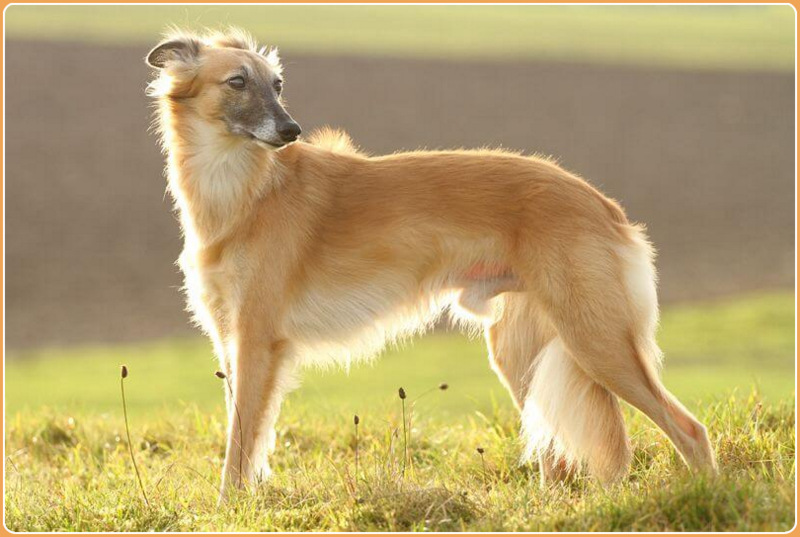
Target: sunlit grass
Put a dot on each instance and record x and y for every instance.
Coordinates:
(77, 476)
(68, 468)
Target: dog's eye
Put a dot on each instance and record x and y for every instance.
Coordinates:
(236, 82)
(278, 85)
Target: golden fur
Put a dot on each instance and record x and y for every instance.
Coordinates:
(317, 253)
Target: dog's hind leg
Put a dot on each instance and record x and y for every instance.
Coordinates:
(605, 309)
(567, 418)
(514, 340)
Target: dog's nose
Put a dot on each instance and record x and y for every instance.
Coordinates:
(289, 131)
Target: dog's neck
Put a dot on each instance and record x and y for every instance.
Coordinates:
(215, 179)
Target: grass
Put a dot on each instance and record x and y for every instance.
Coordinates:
(68, 466)
(701, 37)
(77, 476)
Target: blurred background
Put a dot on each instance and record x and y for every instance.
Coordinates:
(686, 114)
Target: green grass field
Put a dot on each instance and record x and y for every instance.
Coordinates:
(68, 468)
(704, 37)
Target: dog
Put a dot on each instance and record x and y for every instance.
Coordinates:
(304, 252)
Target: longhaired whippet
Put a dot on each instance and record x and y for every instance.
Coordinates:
(301, 252)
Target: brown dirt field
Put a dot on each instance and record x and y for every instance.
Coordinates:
(705, 159)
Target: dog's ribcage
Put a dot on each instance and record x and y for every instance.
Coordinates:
(356, 320)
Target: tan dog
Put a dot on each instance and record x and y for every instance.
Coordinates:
(304, 252)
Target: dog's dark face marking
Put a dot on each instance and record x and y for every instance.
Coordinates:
(251, 103)
(239, 87)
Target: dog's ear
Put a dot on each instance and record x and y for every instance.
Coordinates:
(182, 49)
(273, 57)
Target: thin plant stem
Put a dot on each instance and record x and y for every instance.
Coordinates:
(405, 437)
(128, 434)
(355, 422)
(239, 419)
(441, 387)
(160, 479)
(423, 394)
(483, 466)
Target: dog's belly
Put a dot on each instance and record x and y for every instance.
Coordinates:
(354, 323)
(359, 318)
(342, 312)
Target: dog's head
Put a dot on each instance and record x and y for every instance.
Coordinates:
(226, 80)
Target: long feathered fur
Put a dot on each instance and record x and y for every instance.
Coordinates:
(319, 254)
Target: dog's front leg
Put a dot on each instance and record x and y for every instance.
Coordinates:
(262, 370)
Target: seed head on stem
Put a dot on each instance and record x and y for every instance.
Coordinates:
(222, 376)
(402, 393)
(443, 386)
(123, 373)
(481, 451)
(356, 421)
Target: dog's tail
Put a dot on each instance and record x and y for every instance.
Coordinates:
(569, 417)
(334, 140)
